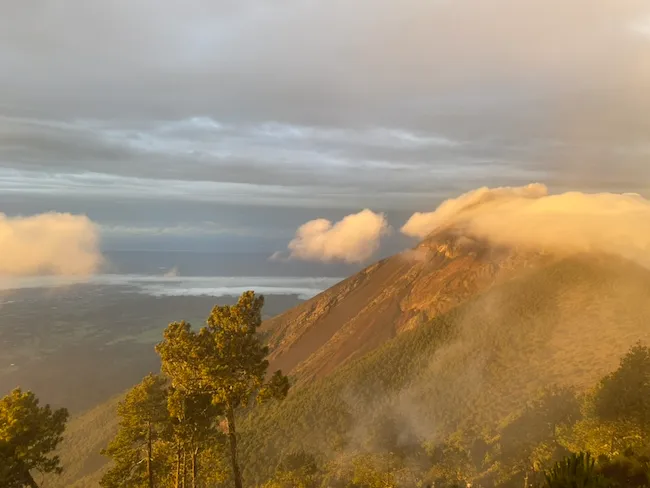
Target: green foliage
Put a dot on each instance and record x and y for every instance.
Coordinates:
(626, 471)
(297, 470)
(327, 414)
(458, 384)
(530, 440)
(225, 360)
(165, 438)
(374, 472)
(625, 394)
(138, 454)
(575, 471)
(29, 433)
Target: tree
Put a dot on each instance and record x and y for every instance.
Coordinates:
(575, 471)
(194, 432)
(624, 395)
(600, 436)
(298, 469)
(138, 449)
(225, 359)
(628, 471)
(530, 440)
(29, 434)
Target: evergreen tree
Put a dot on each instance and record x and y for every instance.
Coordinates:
(29, 434)
(624, 395)
(575, 471)
(225, 359)
(138, 450)
(194, 432)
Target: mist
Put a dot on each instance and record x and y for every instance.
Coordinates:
(48, 244)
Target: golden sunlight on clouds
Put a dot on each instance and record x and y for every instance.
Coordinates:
(354, 238)
(50, 243)
(529, 217)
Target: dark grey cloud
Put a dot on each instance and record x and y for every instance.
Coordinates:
(322, 106)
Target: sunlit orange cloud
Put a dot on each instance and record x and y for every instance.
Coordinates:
(530, 217)
(355, 238)
(50, 243)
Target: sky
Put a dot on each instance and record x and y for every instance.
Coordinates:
(227, 125)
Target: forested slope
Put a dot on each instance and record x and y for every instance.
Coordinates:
(558, 322)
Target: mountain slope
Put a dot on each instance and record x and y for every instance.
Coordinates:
(565, 323)
(451, 333)
(384, 300)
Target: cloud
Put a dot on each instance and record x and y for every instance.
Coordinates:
(172, 273)
(279, 257)
(421, 224)
(51, 243)
(305, 287)
(477, 93)
(354, 238)
(530, 217)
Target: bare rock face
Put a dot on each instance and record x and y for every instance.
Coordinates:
(386, 299)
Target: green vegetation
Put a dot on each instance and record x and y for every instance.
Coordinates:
(577, 470)
(501, 391)
(29, 434)
(172, 426)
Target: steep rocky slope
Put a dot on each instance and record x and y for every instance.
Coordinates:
(386, 299)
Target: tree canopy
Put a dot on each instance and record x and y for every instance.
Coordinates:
(29, 435)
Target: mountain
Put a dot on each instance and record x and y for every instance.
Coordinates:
(452, 334)
(561, 322)
(386, 299)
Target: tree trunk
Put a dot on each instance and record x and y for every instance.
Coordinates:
(149, 456)
(232, 436)
(178, 467)
(184, 475)
(195, 453)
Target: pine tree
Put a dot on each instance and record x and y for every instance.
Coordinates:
(194, 431)
(625, 393)
(138, 450)
(575, 471)
(29, 434)
(226, 360)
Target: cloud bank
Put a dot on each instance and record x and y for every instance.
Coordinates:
(353, 239)
(529, 217)
(50, 243)
(163, 286)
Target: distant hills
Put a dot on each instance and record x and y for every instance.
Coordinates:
(452, 334)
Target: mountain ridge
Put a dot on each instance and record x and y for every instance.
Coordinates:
(385, 299)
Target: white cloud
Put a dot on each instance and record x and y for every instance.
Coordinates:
(529, 217)
(174, 285)
(51, 243)
(354, 238)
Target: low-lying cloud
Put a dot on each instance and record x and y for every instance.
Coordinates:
(48, 244)
(353, 239)
(529, 217)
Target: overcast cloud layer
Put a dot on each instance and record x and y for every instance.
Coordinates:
(244, 119)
